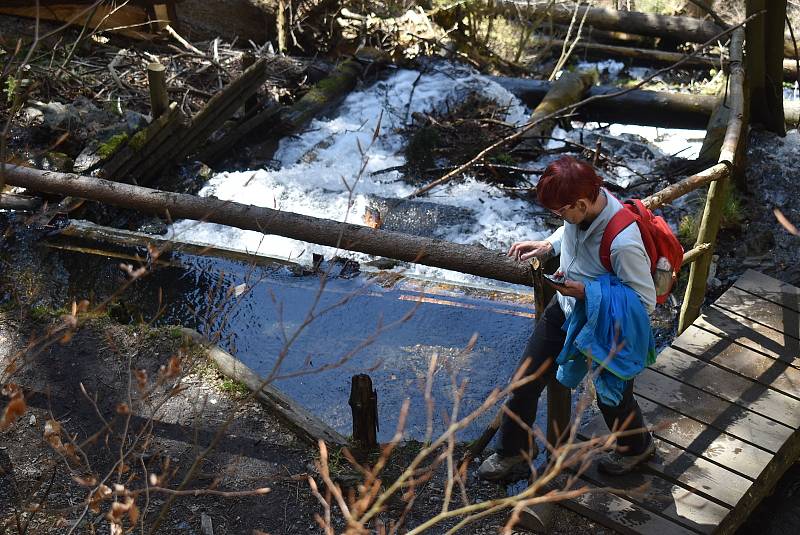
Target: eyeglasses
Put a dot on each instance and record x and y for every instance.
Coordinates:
(560, 212)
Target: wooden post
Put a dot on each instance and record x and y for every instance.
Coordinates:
(732, 153)
(364, 404)
(251, 103)
(559, 397)
(157, 80)
(765, 43)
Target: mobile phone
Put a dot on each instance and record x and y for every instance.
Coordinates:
(555, 280)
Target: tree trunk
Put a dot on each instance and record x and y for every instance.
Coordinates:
(650, 108)
(643, 55)
(674, 28)
(472, 259)
(765, 63)
(568, 89)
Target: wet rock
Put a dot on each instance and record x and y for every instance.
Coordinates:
(56, 161)
(420, 218)
(624, 145)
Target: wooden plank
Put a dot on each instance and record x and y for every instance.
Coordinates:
(770, 289)
(308, 427)
(660, 496)
(700, 439)
(750, 334)
(695, 473)
(621, 514)
(709, 409)
(742, 391)
(740, 359)
(760, 310)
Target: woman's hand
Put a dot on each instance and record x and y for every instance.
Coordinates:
(572, 288)
(523, 250)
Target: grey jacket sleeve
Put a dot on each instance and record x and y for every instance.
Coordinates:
(632, 266)
(555, 240)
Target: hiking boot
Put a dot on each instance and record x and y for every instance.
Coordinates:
(616, 464)
(499, 468)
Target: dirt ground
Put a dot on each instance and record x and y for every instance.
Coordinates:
(80, 383)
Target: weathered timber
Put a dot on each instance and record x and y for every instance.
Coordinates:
(568, 89)
(307, 427)
(680, 29)
(157, 83)
(648, 56)
(471, 259)
(222, 106)
(258, 121)
(673, 191)
(127, 20)
(15, 201)
(733, 154)
(650, 108)
(142, 151)
(715, 131)
(170, 150)
(324, 95)
(364, 407)
(765, 63)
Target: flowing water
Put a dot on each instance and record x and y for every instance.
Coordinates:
(326, 172)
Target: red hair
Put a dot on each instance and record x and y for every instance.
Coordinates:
(565, 181)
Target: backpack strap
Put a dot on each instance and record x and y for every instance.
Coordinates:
(619, 222)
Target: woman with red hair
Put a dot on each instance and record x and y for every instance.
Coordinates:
(571, 190)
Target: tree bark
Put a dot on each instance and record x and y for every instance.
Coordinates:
(650, 108)
(472, 259)
(676, 28)
(642, 55)
(229, 19)
(765, 63)
(568, 89)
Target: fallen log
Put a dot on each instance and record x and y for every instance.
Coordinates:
(15, 201)
(325, 94)
(649, 108)
(223, 147)
(568, 89)
(648, 56)
(308, 427)
(683, 29)
(137, 154)
(470, 259)
(169, 139)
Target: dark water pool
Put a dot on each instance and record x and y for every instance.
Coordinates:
(361, 325)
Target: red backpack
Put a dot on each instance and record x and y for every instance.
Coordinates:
(663, 248)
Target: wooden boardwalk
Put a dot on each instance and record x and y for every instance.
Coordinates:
(725, 401)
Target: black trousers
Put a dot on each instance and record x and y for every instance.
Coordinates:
(543, 347)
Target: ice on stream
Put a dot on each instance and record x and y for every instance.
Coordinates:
(320, 170)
